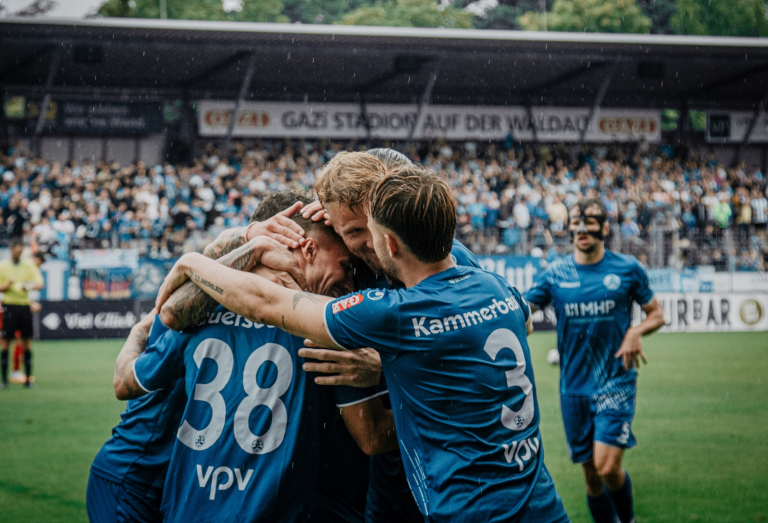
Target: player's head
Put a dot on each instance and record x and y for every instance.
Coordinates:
(411, 213)
(325, 260)
(343, 188)
(390, 158)
(39, 258)
(16, 246)
(588, 224)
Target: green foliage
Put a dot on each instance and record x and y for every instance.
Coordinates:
(721, 17)
(660, 12)
(409, 13)
(505, 15)
(252, 10)
(320, 11)
(593, 16)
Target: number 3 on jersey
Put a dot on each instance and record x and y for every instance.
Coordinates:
(506, 339)
(210, 393)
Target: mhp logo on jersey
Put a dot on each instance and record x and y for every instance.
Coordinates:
(346, 303)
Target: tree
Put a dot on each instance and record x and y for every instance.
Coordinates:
(251, 10)
(593, 16)
(320, 11)
(409, 13)
(660, 12)
(721, 18)
(505, 15)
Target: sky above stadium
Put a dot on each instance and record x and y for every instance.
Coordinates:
(64, 8)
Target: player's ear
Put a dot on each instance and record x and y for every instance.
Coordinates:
(392, 245)
(606, 228)
(309, 249)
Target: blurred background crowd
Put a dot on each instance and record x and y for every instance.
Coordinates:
(510, 200)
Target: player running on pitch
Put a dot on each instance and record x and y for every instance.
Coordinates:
(454, 353)
(593, 291)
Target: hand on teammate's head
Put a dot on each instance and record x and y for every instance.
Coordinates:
(280, 227)
(315, 212)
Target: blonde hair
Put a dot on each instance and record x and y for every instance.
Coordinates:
(348, 178)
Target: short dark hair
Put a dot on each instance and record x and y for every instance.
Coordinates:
(275, 202)
(419, 207)
(585, 203)
(389, 157)
(15, 242)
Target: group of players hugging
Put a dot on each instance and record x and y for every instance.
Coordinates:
(329, 331)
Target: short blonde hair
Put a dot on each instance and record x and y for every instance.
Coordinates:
(348, 178)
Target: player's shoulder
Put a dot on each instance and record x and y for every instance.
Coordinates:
(461, 255)
(617, 259)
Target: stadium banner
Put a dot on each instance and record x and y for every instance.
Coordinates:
(449, 122)
(149, 276)
(732, 127)
(519, 271)
(719, 312)
(85, 319)
(96, 117)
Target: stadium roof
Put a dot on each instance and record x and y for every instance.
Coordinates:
(128, 58)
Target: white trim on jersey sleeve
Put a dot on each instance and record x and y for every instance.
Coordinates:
(138, 382)
(653, 297)
(357, 402)
(325, 321)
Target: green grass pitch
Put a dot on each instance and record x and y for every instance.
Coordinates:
(701, 423)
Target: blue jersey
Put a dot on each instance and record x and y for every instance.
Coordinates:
(455, 356)
(137, 454)
(249, 443)
(387, 476)
(593, 305)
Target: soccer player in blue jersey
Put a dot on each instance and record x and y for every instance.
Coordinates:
(128, 474)
(254, 392)
(593, 291)
(454, 352)
(342, 188)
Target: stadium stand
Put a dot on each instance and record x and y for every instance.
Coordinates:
(510, 200)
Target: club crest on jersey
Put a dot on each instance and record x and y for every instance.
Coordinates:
(346, 303)
(375, 295)
(611, 282)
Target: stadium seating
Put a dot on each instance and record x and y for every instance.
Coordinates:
(510, 200)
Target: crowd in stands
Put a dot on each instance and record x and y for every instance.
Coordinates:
(514, 200)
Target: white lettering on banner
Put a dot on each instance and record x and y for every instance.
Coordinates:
(520, 277)
(385, 121)
(466, 319)
(214, 475)
(102, 320)
(699, 312)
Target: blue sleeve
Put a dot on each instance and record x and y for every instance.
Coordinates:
(540, 294)
(642, 292)
(463, 256)
(157, 330)
(525, 305)
(161, 364)
(365, 319)
(344, 396)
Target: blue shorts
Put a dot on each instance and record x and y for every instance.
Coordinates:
(110, 502)
(605, 418)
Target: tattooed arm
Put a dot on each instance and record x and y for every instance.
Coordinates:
(189, 304)
(254, 297)
(124, 382)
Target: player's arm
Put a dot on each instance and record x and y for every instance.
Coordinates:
(189, 303)
(5, 286)
(631, 350)
(124, 382)
(371, 425)
(251, 296)
(37, 282)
